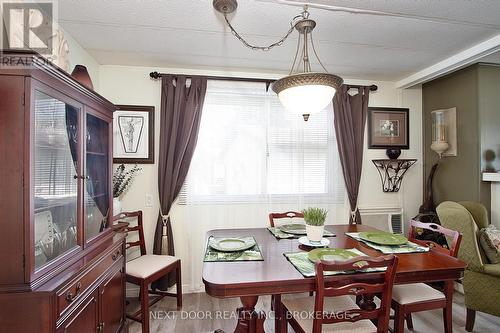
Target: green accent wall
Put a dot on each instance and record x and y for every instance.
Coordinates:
(475, 92)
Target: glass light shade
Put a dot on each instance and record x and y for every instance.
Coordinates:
(439, 135)
(307, 93)
(307, 99)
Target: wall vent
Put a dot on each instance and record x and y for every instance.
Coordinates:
(383, 218)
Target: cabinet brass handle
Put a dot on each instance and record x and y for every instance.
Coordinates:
(69, 295)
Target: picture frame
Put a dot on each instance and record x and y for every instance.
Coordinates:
(388, 128)
(133, 134)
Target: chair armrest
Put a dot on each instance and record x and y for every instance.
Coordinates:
(492, 269)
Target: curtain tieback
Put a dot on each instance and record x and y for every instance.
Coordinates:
(353, 213)
(164, 223)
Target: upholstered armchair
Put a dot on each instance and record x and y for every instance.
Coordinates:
(481, 280)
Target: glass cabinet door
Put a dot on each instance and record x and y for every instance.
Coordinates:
(55, 177)
(97, 172)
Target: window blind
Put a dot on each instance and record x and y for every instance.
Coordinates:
(251, 150)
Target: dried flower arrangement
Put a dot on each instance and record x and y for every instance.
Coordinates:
(122, 179)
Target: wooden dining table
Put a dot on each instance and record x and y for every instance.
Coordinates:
(275, 275)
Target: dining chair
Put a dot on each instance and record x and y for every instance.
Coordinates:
(335, 309)
(272, 217)
(146, 269)
(416, 297)
(289, 215)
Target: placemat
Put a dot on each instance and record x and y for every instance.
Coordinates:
(409, 247)
(306, 267)
(283, 235)
(252, 254)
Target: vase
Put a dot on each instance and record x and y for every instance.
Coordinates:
(81, 75)
(315, 232)
(117, 206)
(393, 153)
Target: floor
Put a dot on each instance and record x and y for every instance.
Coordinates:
(202, 314)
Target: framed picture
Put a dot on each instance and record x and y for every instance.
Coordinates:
(388, 128)
(133, 134)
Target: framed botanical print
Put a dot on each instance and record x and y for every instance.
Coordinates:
(388, 128)
(133, 134)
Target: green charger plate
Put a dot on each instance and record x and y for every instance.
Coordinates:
(231, 244)
(383, 238)
(293, 228)
(331, 254)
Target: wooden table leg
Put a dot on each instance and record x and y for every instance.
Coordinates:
(249, 320)
(279, 322)
(447, 311)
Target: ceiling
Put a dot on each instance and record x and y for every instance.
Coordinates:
(383, 40)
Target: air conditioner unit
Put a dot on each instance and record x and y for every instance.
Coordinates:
(386, 219)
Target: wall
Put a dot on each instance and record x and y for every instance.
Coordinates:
(457, 178)
(132, 85)
(489, 106)
(79, 56)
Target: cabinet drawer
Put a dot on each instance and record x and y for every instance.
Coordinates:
(77, 287)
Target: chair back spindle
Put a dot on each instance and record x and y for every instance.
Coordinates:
(356, 286)
(289, 215)
(138, 228)
(455, 236)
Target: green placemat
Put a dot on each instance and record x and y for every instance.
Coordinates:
(409, 247)
(283, 235)
(305, 266)
(253, 254)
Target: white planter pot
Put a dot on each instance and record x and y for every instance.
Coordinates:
(117, 206)
(315, 233)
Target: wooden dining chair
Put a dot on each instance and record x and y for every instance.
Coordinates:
(272, 217)
(289, 215)
(146, 269)
(416, 297)
(334, 307)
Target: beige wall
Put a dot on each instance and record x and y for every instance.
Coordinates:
(132, 85)
(79, 56)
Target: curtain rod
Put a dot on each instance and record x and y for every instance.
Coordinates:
(156, 75)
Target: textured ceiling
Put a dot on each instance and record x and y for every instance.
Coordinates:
(396, 38)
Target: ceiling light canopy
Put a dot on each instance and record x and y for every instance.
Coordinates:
(303, 91)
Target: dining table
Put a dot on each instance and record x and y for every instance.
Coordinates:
(275, 274)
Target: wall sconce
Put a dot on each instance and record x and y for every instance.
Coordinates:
(444, 132)
(444, 143)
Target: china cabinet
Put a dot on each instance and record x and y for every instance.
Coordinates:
(63, 266)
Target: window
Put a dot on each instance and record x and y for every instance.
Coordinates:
(251, 150)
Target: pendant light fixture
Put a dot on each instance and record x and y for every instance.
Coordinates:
(303, 91)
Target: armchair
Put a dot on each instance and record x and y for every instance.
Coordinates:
(481, 280)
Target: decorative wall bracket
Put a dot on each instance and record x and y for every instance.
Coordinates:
(392, 171)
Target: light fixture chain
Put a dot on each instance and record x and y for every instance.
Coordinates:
(296, 54)
(263, 48)
(314, 50)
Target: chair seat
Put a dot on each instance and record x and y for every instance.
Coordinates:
(415, 292)
(301, 308)
(147, 265)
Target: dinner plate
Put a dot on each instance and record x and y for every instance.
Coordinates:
(294, 228)
(305, 241)
(383, 238)
(231, 244)
(331, 254)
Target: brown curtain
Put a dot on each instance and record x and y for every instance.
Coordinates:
(180, 115)
(349, 120)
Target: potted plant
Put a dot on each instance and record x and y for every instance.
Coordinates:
(315, 223)
(122, 180)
